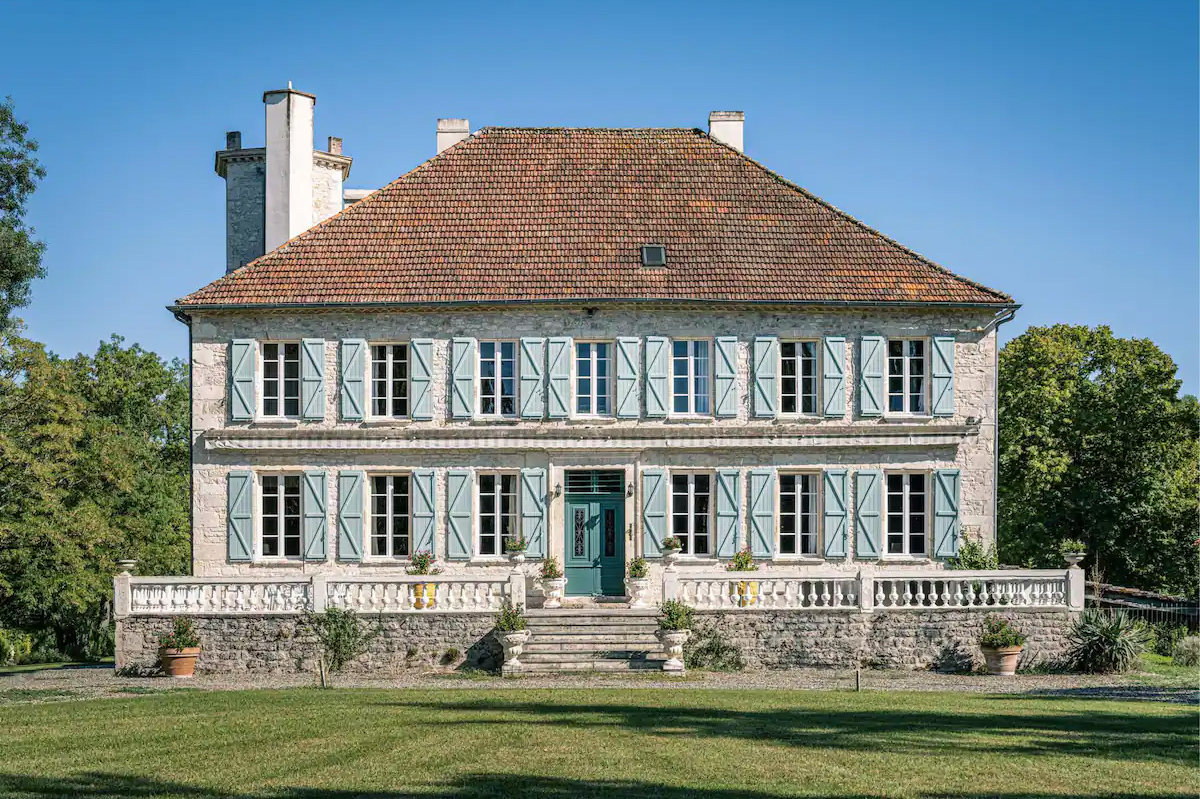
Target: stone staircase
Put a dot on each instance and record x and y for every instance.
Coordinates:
(591, 639)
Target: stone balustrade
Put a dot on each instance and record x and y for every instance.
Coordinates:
(722, 590)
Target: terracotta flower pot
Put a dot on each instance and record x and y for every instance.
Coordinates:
(1002, 660)
(179, 662)
(424, 595)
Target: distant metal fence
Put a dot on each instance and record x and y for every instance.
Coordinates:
(1152, 608)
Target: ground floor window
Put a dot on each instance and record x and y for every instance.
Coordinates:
(906, 514)
(280, 514)
(497, 511)
(797, 514)
(390, 516)
(691, 511)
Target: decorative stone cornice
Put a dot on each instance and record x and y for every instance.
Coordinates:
(259, 154)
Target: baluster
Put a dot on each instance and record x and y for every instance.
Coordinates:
(907, 596)
(825, 596)
(879, 595)
(894, 595)
(921, 592)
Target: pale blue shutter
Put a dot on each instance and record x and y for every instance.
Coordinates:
(834, 511)
(729, 506)
(531, 370)
(315, 531)
(725, 376)
(420, 378)
(657, 383)
(312, 378)
(558, 395)
(352, 394)
(628, 360)
(533, 511)
(942, 372)
(766, 367)
(868, 521)
(945, 513)
(240, 521)
(460, 528)
(762, 512)
(462, 368)
(654, 511)
(350, 515)
(870, 376)
(242, 359)
(833, 375)
(424, 511)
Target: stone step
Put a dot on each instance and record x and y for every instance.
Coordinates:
(577, 631)
(569, 642)
(589, 620)
(593, 613)
(587, 657)
(586, 665)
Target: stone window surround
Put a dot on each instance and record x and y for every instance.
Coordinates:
(256, 554)
(514, 513)
(499, 393)
(906, 556)
(260, 356)
(368, 490)
(691, 395)
(611, 377)
(711, 514)
(887, 374)
(817, 512)
(370, 415)
(817, 364)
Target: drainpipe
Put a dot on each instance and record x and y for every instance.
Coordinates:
(1006, 316)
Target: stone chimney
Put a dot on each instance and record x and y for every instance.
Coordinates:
(289, 164)
(726, 127)
(335, 146)
(233, 140)
(450, 132)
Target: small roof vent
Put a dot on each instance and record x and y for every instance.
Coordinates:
(654, 255)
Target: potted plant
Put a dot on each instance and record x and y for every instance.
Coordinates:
(178, 649)
(1073, 551)
(671, 547)
(424, 594)
(512, 632)
(637, 583)
(674, 628)
(743, 592)
(554, 585)
(1002, 644)
(515, 548)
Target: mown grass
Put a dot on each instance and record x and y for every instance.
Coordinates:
(629, 743)
(1161, 671)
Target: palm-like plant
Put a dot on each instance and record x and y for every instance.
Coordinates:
(1103, 643)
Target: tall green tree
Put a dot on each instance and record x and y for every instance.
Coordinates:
(20, 252)
(1097, 444)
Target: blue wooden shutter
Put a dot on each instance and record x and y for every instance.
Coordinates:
(945, 513)
(942, 372)
(352, 394)
(725, 376)
(420, 378)
(762, 512)
(424, 511)
(240, 517)
(462, 389)
(870, 376)
(729, 506)
(628, 360)
(351, 485)
(312, 378)
(657, 383)
(833, 375)
(766, 367)
(315, 531)
(558, 396)
(533, 511)
(532, 372)
(460, 529)
(654, 511)
(242, 359)
(834, 510)
(868, 521)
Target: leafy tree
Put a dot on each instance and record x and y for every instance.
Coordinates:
(1097, 444)
(20, 253)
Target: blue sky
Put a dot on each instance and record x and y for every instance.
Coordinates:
(1046, 149)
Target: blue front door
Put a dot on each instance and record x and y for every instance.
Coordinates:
(594, 561)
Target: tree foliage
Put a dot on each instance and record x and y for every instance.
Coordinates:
(20, 252)
(1097, 444)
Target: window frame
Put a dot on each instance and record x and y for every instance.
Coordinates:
(368, 489)
(370, 378)
(689, 538)
(261, 381)
(816, 411)
(816, 511)
(499, 378)
(691, 412)
(610, 377)
(515, 512)
(905, 376)
(260, 516)
(907, 514)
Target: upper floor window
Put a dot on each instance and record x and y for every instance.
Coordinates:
(691, 511)
(497, 511)
(593, 378)
(390, 508)
(797, 514)
(279, 514)
(389, 380)
(906, 376)
(798, 376)
(906, 513)
(690, 382)
(281, 379)
(497, 378)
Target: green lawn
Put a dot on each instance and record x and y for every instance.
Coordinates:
(619, 743)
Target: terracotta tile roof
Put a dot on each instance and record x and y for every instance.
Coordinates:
(536, 214)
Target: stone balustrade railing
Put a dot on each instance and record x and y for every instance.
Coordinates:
(722, 590)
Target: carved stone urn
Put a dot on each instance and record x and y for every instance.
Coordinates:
(638, 590)
(514, 644)
(553, 588)
(1073, 559)
(672, 643)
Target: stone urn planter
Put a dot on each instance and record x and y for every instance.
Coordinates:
(670, 557)
(517, 557)
(1073, 559)
(1002, 661)
(179, 663)
(553, 588)
(638, 590)
(672, 643)
(514, 644)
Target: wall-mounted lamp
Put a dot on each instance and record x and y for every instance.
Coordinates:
(558, 489)
(629, 490)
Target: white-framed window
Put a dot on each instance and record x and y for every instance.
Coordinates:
(391, 516)
(691, 381)
(907, 513)
(691, 511)
(798, 377)
(498, 517)
(906, 375)
(497, 378)
(389, 380)
(798, 517)
(593, 378)
(281, 379)
(279, 515)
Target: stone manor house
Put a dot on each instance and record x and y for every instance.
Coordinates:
(591, 339)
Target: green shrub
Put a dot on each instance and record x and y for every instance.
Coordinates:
(708, 648)
(999, 633)
(638, 569)
(183, 635)
(15, 646)
(1166, 637)
(675, 616)
(1071, 546)
(510, 619)
(973, 556)
(742, 561)
(1103, 643)
(1187, 652)
(341, 636)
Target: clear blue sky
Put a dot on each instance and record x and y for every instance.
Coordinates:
(1046, 149)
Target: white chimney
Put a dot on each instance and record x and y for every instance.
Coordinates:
(450, 132)
(289, 178)
(726, 127)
